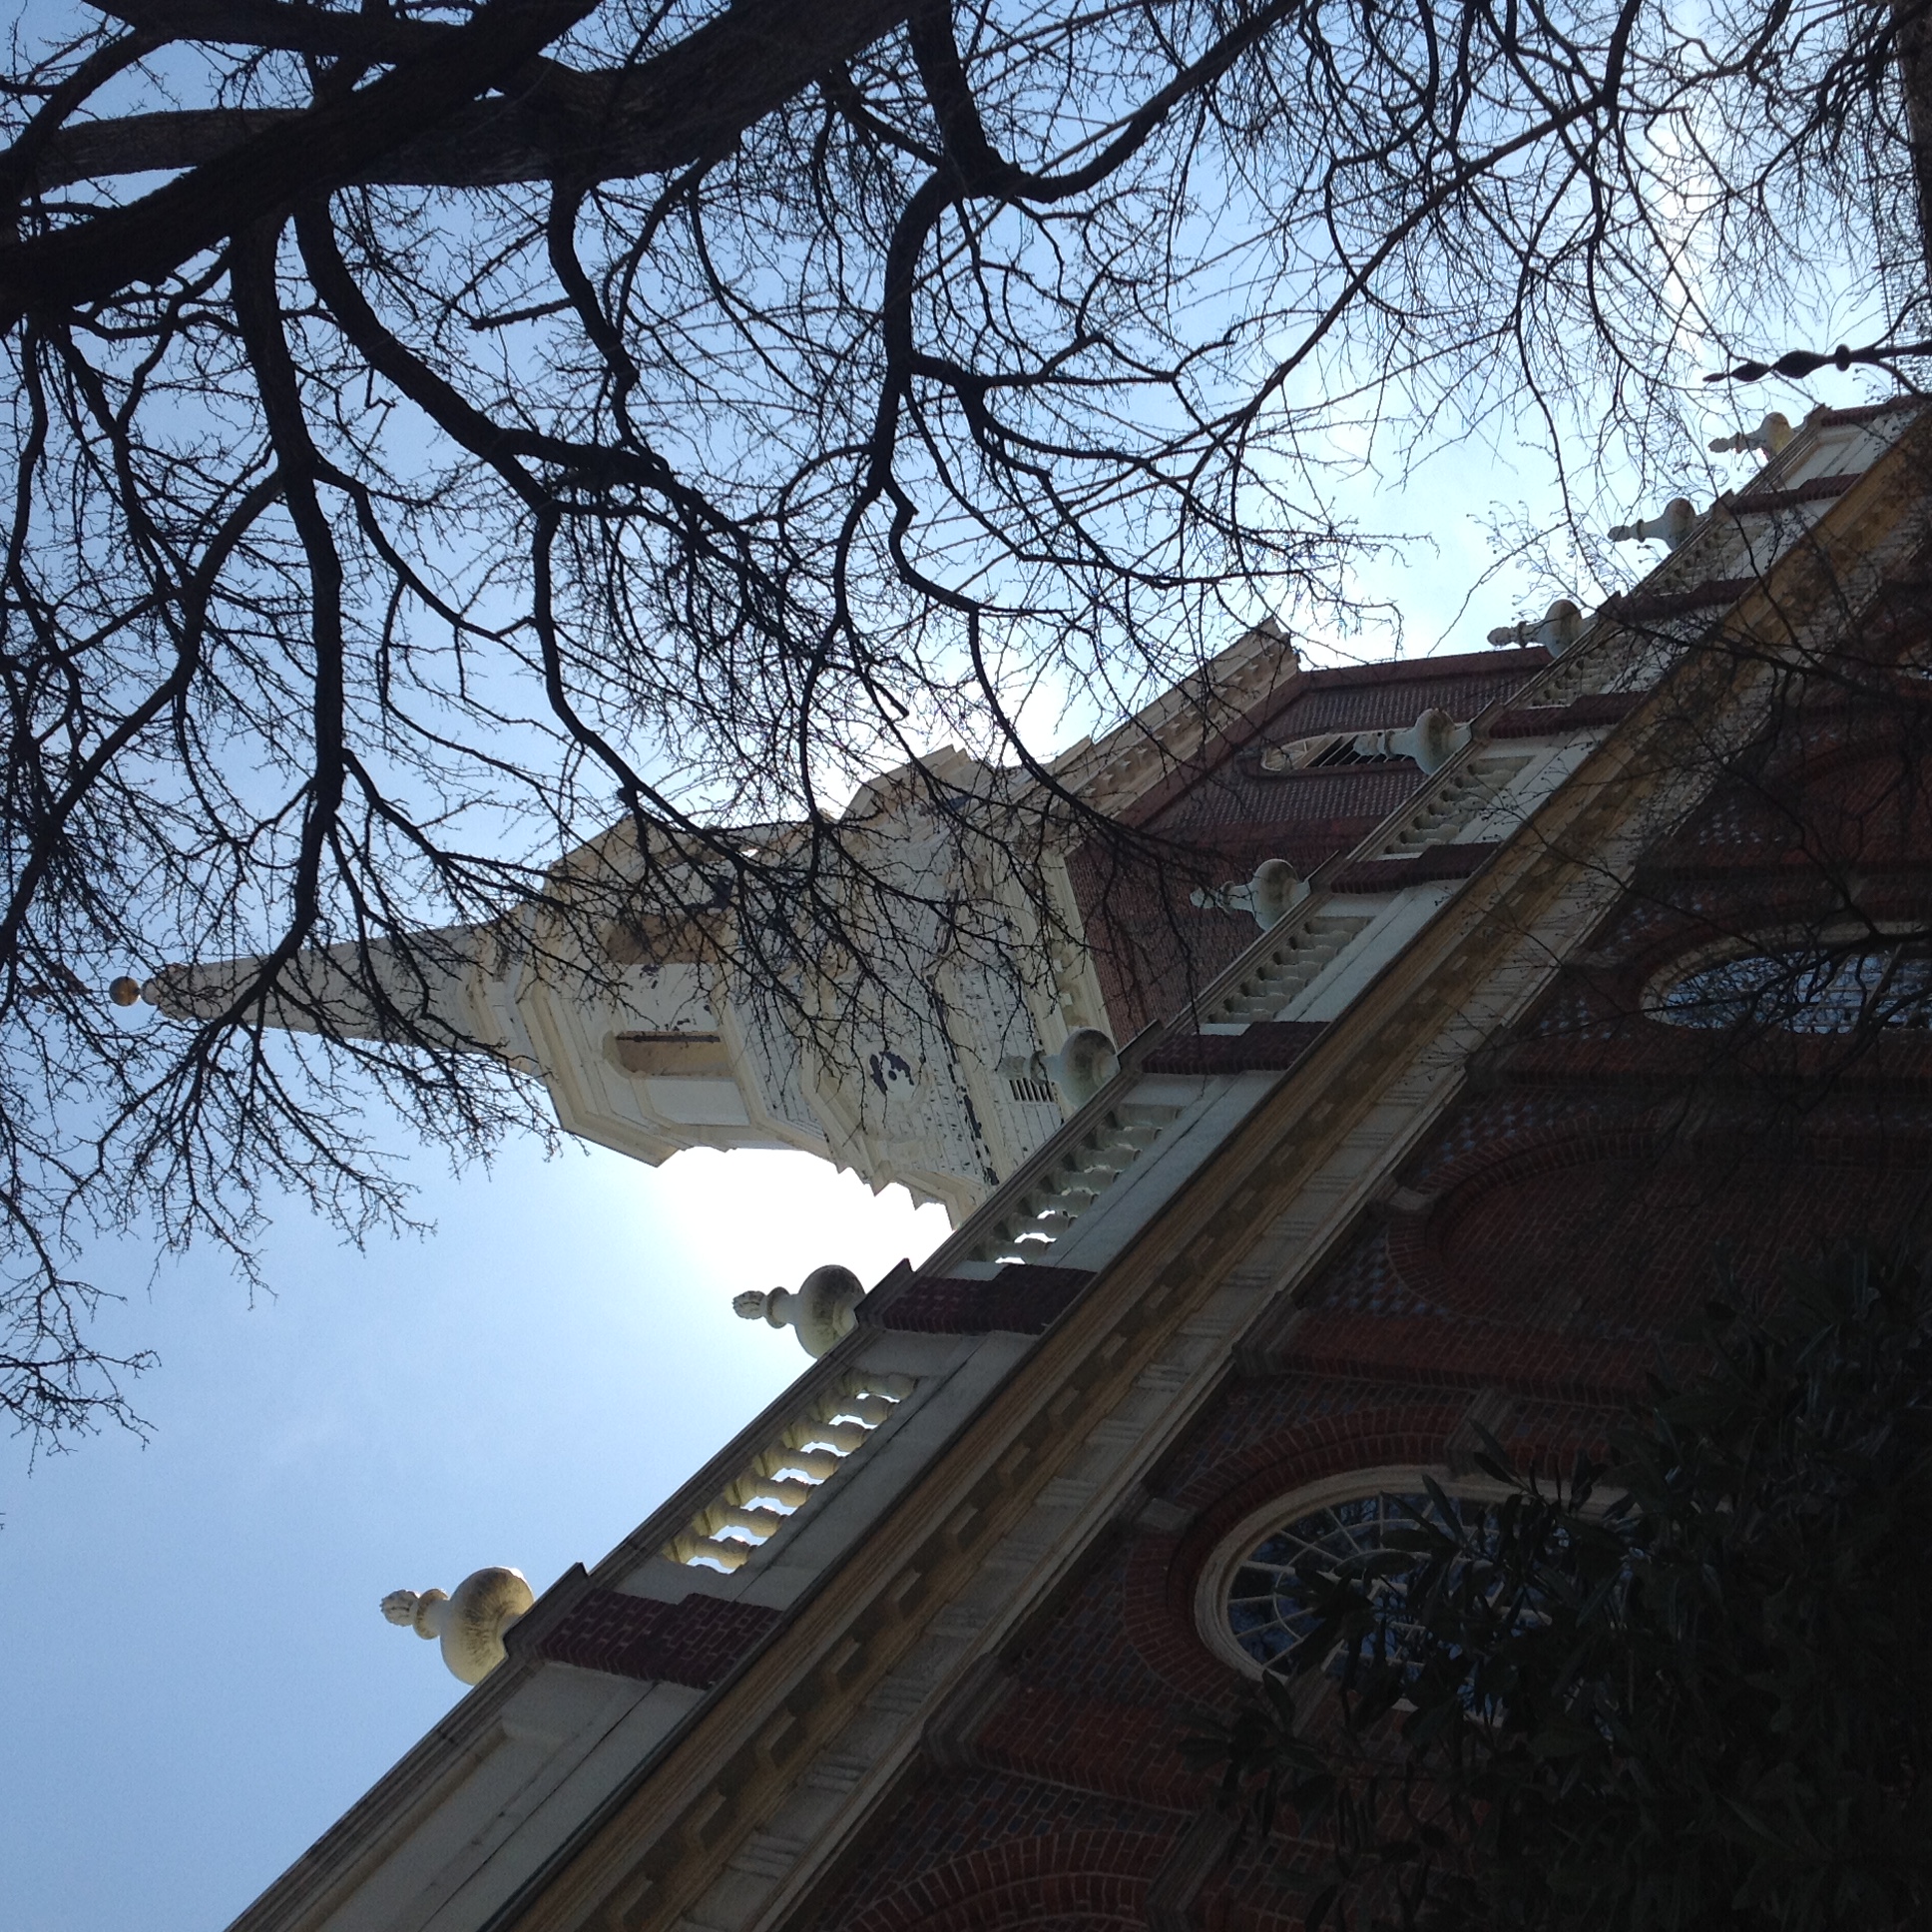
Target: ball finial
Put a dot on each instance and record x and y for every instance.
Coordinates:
(819, 1309)
(125, 991)
(1673, 528)
(470, 1624)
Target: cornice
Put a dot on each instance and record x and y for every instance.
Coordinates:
(1145, 764)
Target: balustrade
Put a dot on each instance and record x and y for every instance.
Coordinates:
(782, 1479)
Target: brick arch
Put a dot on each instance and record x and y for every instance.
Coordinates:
(1597, 1023)
(1418, 1241)
(1827, 741)
(1072, 1881)
(1163, 1571)
(1591, 1132)
(1864, 798)
(1489, 1130)
(1604, 997)
(1610, 1237)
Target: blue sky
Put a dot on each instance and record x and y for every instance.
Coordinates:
(195, 1679)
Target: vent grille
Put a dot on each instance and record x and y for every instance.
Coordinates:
(1039, 1091)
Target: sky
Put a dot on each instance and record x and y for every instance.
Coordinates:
(194, 1679)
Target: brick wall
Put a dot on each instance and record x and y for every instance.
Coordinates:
(694, 1640)
(1153, 949)
(1528, 1264)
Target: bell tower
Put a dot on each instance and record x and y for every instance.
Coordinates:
(925, 1065)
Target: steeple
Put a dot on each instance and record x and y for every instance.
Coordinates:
(649, 1038)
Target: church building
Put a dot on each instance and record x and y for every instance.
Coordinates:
(1505, 997)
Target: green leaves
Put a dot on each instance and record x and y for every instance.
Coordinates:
(1688, 1688)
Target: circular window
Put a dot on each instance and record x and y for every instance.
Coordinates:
(1253, 1602)
(1813, 989)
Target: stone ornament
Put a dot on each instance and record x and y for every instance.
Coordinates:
(1085, 1064)
(470, 1624)
(1268, 896)
(1768, 438)
(1561, 627)
(1431, 741)
(820, 1312)
(1673, 528)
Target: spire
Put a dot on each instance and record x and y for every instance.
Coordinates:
(439, 981)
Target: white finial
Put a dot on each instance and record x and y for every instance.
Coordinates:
(1432, 740)
(419, 1610)
(821, 1312)
(1275, 887)
(1768, 438)
(1084, 1064)
(1674, 527)
(1561, 627)
(470, 1624)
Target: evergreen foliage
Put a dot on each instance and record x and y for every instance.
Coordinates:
(1687, 1686)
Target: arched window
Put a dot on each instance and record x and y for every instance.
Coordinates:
(1325, 751)
(1253, 1602)
(1811, 988)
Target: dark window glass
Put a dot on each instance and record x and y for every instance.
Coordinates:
(1816, 991)
(1268, 1604)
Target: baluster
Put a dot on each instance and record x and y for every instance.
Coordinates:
(787, 1491)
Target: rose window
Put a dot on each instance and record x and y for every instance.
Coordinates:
(1815, 990)
(1269, 1602)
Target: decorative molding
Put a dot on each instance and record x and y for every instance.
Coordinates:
(947, 1739)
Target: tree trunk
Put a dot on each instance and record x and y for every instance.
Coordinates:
(1913, 19)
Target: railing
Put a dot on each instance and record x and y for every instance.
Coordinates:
(1047, 1213)
(1283, 971)
(1445, 813)
(782, 1477)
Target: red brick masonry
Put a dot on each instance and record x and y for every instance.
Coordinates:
(1021, 1300)
(1432, 863)
(694, 1640)
(1268, 1045)
(1600, 708)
